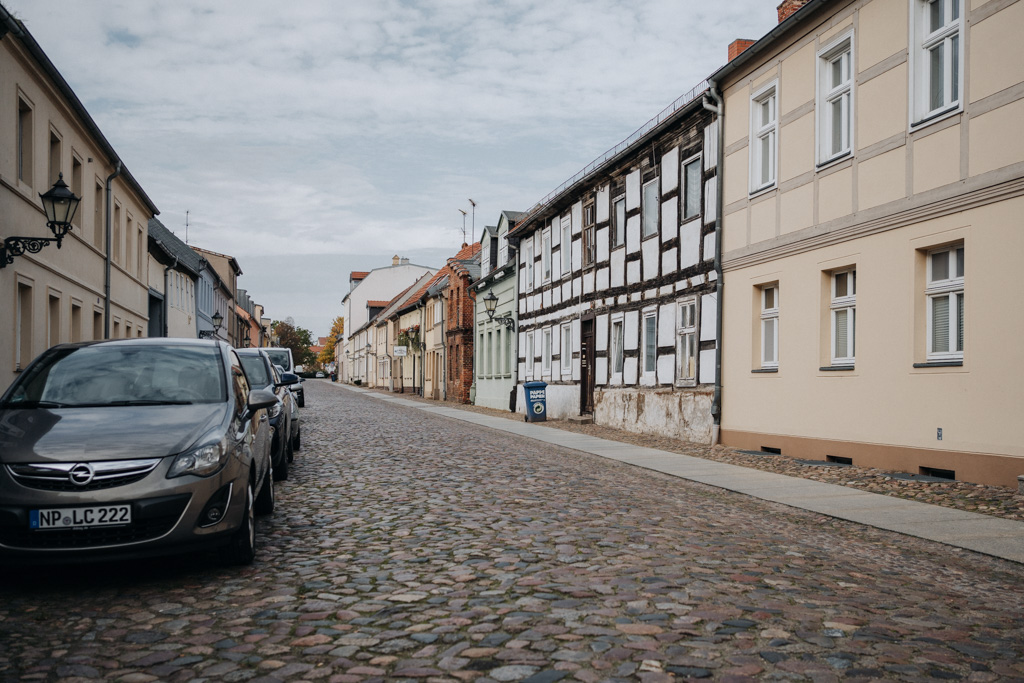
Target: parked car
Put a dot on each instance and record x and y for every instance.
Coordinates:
(283, 356)
(130, 448)
(263, 375)
(319, 375)
(296, 420)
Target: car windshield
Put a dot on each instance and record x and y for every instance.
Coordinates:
(255, 370)
(122, 374)
(278, 356)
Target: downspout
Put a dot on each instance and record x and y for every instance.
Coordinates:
(106, 265)
(718, 108)
(471, 294)
(444, 351)
(514, 391)
(423, 348)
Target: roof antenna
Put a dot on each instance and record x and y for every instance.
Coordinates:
(186, 226)
(474, 223)
(463, 225)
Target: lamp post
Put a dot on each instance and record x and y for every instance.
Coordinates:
(60, 204)
(217, 319)
(491, 303)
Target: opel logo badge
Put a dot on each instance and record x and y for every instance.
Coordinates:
(81, 474)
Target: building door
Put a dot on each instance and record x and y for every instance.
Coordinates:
(586, 366)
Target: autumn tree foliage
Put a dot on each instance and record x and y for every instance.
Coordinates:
(298, 339)
(327, 355)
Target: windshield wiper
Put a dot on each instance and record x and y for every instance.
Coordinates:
(33, 404)
(147, 402)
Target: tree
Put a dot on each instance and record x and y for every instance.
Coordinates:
(327, 355)
(297, 339)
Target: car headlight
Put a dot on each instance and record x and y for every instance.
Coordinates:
(202, 461)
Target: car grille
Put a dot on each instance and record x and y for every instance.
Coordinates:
(57, 476)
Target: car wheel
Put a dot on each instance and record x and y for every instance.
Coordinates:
(281, 468)
(301, 400)
(291, 450)
(242, 548)
(297, 443)
(265, 498)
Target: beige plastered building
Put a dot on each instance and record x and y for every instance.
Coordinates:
(873, 182)
(61, 295)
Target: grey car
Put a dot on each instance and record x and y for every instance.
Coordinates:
(262, 374)
(131, 448)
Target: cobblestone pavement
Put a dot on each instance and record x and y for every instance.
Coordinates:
(408, 546)
(996, 501)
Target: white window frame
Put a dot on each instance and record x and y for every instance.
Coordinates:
(545, 351)
(830, 94)
(763, 173)
(566, 348)
(566, 244)
(545, 258)
(650, 215)
(530, 356)
(770, 325)
(502, 251)
(618, 227)
(616, 348)
(485, 257)
(648, 376)
(687, 344)
(528, 261)
(845, 304)
(684, 201)
(950, 288)
(923, 41)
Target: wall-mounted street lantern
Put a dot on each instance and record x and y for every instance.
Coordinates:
(217, 319)
(60, 204)
(491, 303)
(247, 337)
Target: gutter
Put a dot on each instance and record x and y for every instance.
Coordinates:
(718, 108)
(106, 264)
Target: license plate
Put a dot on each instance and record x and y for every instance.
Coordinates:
(68, 518)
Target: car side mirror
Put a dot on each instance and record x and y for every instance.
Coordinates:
(261, 398)
(287, 379)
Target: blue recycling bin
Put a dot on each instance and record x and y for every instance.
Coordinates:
(536, 401)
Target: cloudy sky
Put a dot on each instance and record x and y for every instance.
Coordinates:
(314, 137)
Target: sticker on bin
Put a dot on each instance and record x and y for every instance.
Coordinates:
(538, 408)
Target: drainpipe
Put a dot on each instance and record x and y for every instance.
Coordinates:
(718, 108)
(423, 348)
(514, 391)
(106, 266)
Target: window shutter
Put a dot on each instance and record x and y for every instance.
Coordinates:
(842, 334)
(940, 324)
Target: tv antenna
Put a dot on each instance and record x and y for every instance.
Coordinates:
(463, 226)
(186, 226)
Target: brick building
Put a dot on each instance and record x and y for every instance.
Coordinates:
(463, 269)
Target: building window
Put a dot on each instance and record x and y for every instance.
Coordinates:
(566, 351)
(649, 344)
(945, 299)
(763, 137)
(502, 250)
(497, 351)
(129, 250)
(508, 353)
(545, 259)
(770, 326)
(23, 319)
(76, 187)
(835, 100)
(528, 259)
(53, 321)
(617, 347)
(589, 243)
(691, 187)
(490, 353)
(55, 157)
(619, 221)
(98, 228)
(76, 322)
(686, 342)
(566, 245)
(844, 317)
(24, 142)
(529, 355)
(115, 247)
(651, 209)
(485, 257)
(546, 352)
(937, 60)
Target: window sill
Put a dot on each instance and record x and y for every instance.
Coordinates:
(764, 370)
(940, 364)
(757, 192)
(936, 116)
(828, 163)
(836, 368)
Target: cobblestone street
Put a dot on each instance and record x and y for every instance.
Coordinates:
(410, 546)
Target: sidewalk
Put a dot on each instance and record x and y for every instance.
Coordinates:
(1000, 538)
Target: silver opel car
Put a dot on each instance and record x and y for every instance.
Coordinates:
(131, 448)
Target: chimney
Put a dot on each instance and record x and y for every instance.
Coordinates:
(739, 45)
(394, 260)
(788, 7)
(405, 261)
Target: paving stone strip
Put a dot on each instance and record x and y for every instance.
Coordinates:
(413, 547)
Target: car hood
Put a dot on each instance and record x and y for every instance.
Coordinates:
(107, 433)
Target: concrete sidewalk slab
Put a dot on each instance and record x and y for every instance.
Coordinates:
(993, 536)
